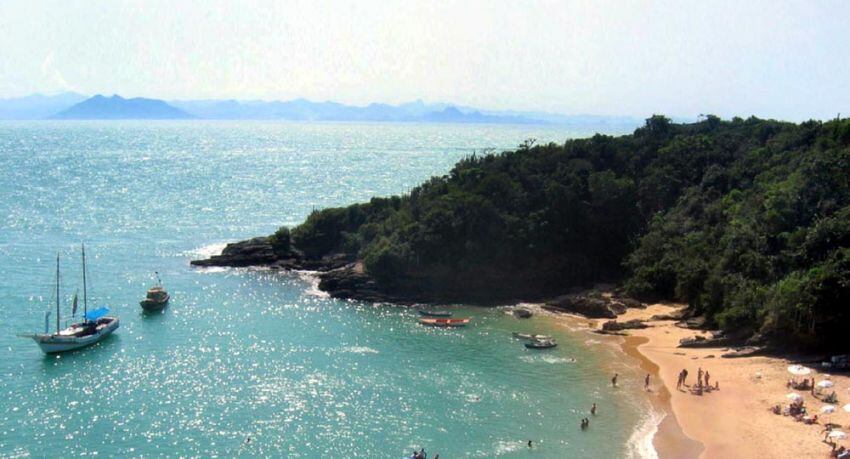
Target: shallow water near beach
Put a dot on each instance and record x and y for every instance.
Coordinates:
(250, 354)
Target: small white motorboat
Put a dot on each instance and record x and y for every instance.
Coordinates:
(531, 337)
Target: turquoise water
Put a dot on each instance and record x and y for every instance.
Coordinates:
(248, 353)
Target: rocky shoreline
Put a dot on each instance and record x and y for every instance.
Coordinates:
(342, 276)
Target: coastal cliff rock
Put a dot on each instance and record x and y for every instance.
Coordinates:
(253, 252)
(343, 276)
(351, 282)
(259, 251)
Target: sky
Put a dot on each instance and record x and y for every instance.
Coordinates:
(780, 59)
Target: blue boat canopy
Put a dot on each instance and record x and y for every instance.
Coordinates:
(97, 313)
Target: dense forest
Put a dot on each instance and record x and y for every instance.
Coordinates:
(748, 221)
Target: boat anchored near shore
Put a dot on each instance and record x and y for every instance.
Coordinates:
(425, 313)
(157, 298)
(95, 324)
(439, 322)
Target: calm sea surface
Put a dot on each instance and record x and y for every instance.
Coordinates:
(244, 354)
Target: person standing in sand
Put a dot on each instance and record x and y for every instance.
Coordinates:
(699, 377)
(646, 383)
(707, 384)
(684, 376)
(614, 380)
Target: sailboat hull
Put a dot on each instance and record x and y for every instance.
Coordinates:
(51, 344)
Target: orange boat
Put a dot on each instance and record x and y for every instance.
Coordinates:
(441, 322)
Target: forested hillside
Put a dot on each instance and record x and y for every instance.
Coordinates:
(746, 220)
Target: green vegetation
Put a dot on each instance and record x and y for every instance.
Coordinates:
(746, 220)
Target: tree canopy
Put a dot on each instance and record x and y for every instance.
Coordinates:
(748, 221)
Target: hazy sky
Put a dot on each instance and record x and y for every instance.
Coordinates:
(779, 59)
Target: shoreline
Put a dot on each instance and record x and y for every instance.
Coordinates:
(669, 440)
(735, 420)
(666, 437)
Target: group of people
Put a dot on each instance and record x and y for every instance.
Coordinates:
(797, 411)
(703, 382)
(585, 422)
(421, 454)
(617, 376)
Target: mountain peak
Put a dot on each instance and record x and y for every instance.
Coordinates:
(117, 107)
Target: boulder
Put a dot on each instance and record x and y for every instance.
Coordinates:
(618, 307)
(631, 302)
(613, 325)
(594, 308)
(701, 341)
(694, 323)
(522, 313)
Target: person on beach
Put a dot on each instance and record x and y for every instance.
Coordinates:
(614, 380)
(699, 377)
(684, 376)
(646, 383)
(593, 409)
(707, 384)
(679, 380)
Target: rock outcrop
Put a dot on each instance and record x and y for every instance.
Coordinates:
(613, 325)
(260, 252)
(253, 252)
(593, 308)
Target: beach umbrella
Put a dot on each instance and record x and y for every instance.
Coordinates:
(794, 397)
(798, 370)
(837, 435)
(826, 409)
(825, 384)
(847, 407)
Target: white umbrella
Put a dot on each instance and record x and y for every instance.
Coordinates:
(798, 370)
(827, 409)
(794, 397)
(825, 384)
(837, 435)
(847, 407)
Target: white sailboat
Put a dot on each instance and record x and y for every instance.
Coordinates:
(95, 325)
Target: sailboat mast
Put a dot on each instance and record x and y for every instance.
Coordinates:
(85, 294)
(57, 293)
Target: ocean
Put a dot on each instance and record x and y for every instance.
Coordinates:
(257, 363)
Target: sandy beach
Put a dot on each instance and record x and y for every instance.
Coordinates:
(734, 421)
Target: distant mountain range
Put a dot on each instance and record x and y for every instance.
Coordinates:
(76, 106)
(37, 106)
